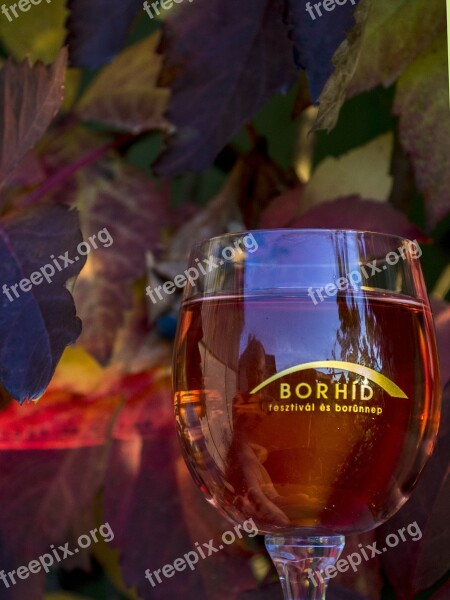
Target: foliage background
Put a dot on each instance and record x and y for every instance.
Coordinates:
(172, 130)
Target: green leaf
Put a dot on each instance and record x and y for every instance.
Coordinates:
(397, 32)
(29, 98)
(126, 94)
(422, 102)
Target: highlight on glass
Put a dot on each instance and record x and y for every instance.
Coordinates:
(306, 386)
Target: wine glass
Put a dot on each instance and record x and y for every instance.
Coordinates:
(306, 386)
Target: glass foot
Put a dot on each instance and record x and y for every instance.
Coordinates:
(303, 563)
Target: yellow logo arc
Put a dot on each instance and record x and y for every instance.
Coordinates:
(384, 382)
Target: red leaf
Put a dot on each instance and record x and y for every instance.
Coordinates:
(141, 500)
(364, 215)
(31, 97)
(283, 210)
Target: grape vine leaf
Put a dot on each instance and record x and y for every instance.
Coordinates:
(30, 589)
(227, 69)
(143, 456)
(31, 97)
(367, 579)
(442, 593)
(63, 419)
(46, 313)
(441, 314)
(55, 454)
(273, 592)
(363, 171)
(98, 29)
(284, 209)
(316, 38)
(422, 102)
(340, 593)
(131, 208)
(29, 172)
(328, 47)
(125, 94)
(38, 34)
(128, 207)
(397, 32)
(225, 574)
(354, 213)
(413, 567)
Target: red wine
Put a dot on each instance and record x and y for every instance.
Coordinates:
(302, 416)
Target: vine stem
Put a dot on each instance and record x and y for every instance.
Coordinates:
(61, 176)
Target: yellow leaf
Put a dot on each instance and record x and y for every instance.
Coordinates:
(38, 33)
(363, 171)
(77, 372)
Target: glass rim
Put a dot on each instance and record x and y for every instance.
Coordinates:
(306, 230)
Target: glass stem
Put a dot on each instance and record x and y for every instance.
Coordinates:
(303, 563)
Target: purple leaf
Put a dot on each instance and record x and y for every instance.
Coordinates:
(414, 566)
(124, 209)
(441, 313)
(46, 313)
(317, 34)
(443, 593)
(340, 593)
(268, 592)
(273, 592)
(228, 70)
(227, 573)
(55, 486)
(98, 29)
(367, 579)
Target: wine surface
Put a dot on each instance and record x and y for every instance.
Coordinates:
(302, 416)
